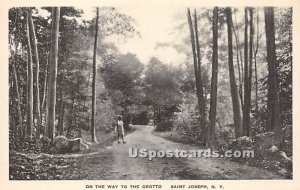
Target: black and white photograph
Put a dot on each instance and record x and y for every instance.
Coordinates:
(150, 92)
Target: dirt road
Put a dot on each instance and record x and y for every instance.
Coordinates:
(114, 162)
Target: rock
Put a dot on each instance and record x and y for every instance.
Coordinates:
(280, 155)
(63, 145)
(241, 142)
(272, 150)
(60, 144)
(244, 140)
(74, 145)
(45, 140)
(264, 140)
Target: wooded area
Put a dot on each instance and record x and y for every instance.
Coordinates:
(68, 83)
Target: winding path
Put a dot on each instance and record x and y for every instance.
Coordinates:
(114, 162)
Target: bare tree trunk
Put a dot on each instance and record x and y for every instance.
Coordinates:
(238, 42)
(246, 121)
(33, 42)
(248, 83)
(29, 130)
(11, 101)
(43, 106)
(255, 62)
(61, 107)
(51, 91)
(15, 76)
(214, 83)
(205, 91)
(239, 63)
(234, 91)
(200, 92)
(62, 117)
(88, 85)
(45, 84)
(20, 127)
(197, 65)
(24, 130)
(93, 131)
(274, 120)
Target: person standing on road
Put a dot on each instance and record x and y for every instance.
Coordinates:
(120, 129)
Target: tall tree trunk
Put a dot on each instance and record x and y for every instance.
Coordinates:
(43, 106)
(214, 83)
(45, 86)
(255, 62)
(61, 119)
(20, 118)
(197, 65)
(238, 43)
(248, 83)
(205, 91)
(51, 91)
(88, 85)
(234, 91)
(35, 56)
(24, 130)
(29, 130)
(200, 92)
(274, 121)
(61, 107)
(11, 100)
(93, 131)
(246, 111)
(239, 57)
(15, 79)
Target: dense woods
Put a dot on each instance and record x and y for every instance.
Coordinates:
(67, 81)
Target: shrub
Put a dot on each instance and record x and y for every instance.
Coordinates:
(165, 124)
(224, 136)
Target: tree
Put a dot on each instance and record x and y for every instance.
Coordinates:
(284, 50)
(255, 61)
(52, 75)
(29, 85)
(61, 109)
(214, 83)
(248, 71)
(33, 43)
(274, 119)
(16, 82)
(239, 59)
(45, 85)
(199, 71)
(93, 131)
(197, 65)
(162, 89)
(234, 91)
(20, 126)
(122, 78)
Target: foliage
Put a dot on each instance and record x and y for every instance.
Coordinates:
(161, 85)
(121, 78)
(284, 60)
(187, 123)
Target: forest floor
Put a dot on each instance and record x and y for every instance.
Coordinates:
(112, 161)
